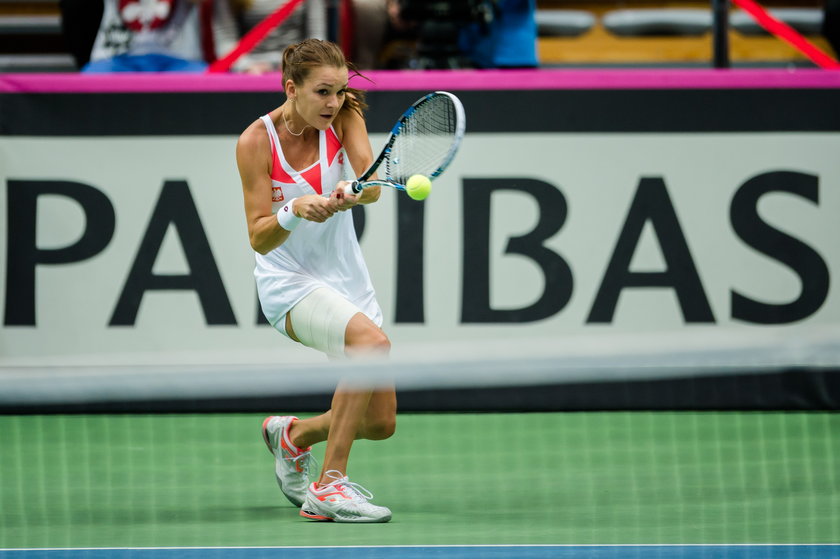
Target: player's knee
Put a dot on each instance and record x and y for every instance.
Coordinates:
(372, 339)
(382, 428)
(380, 342)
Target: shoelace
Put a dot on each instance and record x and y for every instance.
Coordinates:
(306, 463)
(343, 481)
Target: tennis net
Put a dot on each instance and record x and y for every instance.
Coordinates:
(707, 442)
(750, 370)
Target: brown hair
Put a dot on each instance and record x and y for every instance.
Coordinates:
(300, 58)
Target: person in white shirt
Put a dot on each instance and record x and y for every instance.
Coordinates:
(162, 36)
(312, 280)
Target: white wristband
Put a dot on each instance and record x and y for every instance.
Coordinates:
(287, 218)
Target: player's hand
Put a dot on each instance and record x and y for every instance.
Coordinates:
(315, 208)
(343, 198)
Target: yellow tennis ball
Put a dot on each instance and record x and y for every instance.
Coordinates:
(418, 187)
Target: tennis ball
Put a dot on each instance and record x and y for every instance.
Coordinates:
(418, 187)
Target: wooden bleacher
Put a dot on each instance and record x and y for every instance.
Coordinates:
(600, 47)
(31, 39)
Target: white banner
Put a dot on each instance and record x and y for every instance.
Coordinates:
(597, 237)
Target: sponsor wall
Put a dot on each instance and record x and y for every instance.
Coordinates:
(593, 212)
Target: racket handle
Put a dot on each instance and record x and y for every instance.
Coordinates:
(353, 188)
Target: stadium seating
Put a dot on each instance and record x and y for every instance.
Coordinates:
(668, 33)
(807, 21)
(564, 23)
(31, 39)
(570, 33)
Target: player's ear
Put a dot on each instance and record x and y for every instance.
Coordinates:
(290, 89)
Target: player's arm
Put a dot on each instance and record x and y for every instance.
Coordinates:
(252, 158)
(264, 230)
(353, 135)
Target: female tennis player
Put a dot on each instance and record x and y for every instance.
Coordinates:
(313, 283)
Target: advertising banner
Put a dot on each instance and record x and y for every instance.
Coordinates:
(132, 247)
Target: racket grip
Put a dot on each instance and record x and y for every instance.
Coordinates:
(355, 187)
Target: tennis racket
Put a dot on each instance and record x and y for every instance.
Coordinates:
(422, 142)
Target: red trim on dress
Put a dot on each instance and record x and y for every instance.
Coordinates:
(278, 173)
(333, 145)
(313, 177)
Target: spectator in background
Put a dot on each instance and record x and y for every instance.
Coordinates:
(468, 33)
(186, 35)
(162, 35)
(509, 40)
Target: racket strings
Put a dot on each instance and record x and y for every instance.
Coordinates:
(425, 141)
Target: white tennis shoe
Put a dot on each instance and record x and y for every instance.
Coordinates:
(342, 501)
(291, 464)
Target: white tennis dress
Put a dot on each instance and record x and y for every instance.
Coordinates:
(315, 254)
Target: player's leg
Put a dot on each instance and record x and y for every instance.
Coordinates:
(380, 420)
(327, 322)
(355, 411)
(351, 414)
(319, 321)
(348, 408)
(306, 432)
(361, 336)
(378, 423)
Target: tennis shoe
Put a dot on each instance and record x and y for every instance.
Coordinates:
(291, 464)
(342, 501)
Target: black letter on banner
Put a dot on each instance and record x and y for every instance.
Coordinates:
(801, 258)
(358, 213)
(475, 305)
(652, 203)
(410, 234)
(23, 255)
(261, 319)
(175, 206)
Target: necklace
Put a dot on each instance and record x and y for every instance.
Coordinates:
(286, 122)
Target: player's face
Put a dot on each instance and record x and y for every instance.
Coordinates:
(321, 96)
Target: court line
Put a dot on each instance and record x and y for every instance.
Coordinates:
(640, 551)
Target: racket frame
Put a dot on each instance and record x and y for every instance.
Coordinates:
(460, 119)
